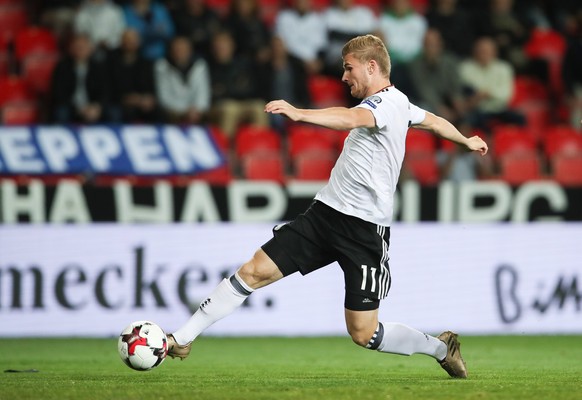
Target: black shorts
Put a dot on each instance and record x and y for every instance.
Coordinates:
(323, 235)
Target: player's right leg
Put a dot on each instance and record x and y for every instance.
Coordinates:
(258, 272)
(367, 281)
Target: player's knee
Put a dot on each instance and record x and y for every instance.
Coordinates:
(361, 336)
(254, 272)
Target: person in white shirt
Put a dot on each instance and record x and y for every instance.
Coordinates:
(349, 221)
(343, 21)
(183, 84)
(303, 33)
(102, 21)
(490, 83)
(403, 31)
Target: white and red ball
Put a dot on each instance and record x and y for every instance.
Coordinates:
(142, 345)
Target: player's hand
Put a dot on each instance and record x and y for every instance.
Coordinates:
(282, 107)
(475, 143)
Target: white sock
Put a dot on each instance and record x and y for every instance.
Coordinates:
(225, 298)
(404, 340)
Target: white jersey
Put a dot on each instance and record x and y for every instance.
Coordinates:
(364, 178)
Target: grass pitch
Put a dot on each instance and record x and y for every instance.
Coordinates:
(515, 367)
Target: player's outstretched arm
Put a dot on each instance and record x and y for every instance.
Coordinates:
(446, 130)
(340, 118)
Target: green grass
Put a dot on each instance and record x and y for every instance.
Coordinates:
(515, 367)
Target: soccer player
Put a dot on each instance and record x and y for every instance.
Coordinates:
(349, 220)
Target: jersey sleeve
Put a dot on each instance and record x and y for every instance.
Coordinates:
(383, 115)
(417, 114)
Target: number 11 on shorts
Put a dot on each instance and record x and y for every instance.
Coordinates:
(365, 278)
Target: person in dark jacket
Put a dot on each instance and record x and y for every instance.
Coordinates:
(132, 82)
(235, 90)
(79, 88)
(198, 22)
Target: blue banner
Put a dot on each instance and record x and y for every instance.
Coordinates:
(114, 150)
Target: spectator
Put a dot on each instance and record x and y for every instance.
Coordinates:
(435, 76)
(458, 165)
(182, 84)
(103, 22)
(303, 33)
(284, 78)
(79, 85)
(508, 30)
(403, 31)
(454, 24)
(132, 77)
(541, 14)
(235, 89)
(154, 25)
(489, 82)
(251, 34)
(58, 16)
(343, 21)
(572, 72)
(551, 14)
(196, 21)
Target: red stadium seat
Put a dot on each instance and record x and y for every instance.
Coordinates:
(264, 167)
(326, 91)
(4, 64)
(567, 170)
(423, 167)
(537, 116)
(12, 4)
(221, 7)
(528, 90)
(14, 90)
(309, 138)
(12, 21)
(220, 138)
(420, 141)
(520, 168)
(320, 5)
(37, 70)
(508, 139)
(374, 5)
(20, 114)
(250, 139)
(269, 10)
(562, 141)
(420, 6)
(548, 45)
(34, 40)
(545, 43)
(4, 43)
(315, 166)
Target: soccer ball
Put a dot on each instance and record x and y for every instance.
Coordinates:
(142, 345)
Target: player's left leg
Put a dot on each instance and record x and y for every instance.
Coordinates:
(259, 271)
(396, 338)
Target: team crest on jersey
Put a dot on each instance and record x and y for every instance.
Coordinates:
(372, 101)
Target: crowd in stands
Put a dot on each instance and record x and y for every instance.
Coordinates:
(501, 68)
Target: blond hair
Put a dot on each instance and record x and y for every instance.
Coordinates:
(369, 47)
